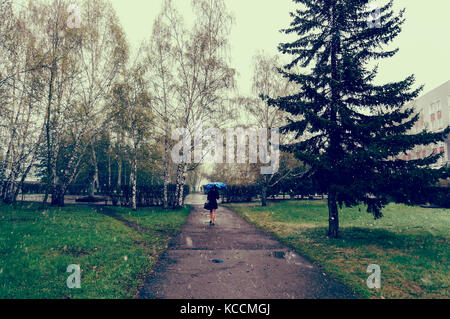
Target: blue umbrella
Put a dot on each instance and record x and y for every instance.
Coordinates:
(219, 185)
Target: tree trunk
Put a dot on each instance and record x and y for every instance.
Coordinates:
(58, 196)
(133, 182)
(166, 173)
(335, 150)
(45, 200)
(183, 182)
(176, 198)
(109, 171)
(119, 174)
(54, 198)
(264, 196)
(50, 156)
(95, 182)
(91, 189)
(333, 226)
(61, 193)
(4, 171)
(22, 180)
(54, 185)
(181, 196)
(10, 191)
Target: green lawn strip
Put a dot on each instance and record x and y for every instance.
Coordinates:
(158, 221)
(37, 246)
(410, 244)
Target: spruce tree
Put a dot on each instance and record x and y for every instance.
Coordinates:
(351, 131)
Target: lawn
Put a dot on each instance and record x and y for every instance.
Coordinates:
(36, 246)
(410, 244)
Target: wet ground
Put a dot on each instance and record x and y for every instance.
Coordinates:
(234, 260)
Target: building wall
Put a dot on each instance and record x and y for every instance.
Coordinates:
(434, 109)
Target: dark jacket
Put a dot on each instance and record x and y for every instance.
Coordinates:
(213, 196)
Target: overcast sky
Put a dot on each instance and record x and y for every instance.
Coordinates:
(424, 43)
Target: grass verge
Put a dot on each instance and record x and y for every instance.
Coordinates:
(410, 244)
(36, 246)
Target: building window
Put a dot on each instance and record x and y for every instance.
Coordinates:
(437, 105)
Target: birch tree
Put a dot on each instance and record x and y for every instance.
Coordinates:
(204, 77)
(267, 81)
(20, 100)
(161, 78)
(133, 114)
(84, 64)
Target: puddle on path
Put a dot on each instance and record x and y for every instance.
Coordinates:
(189, 242)
(290, 257)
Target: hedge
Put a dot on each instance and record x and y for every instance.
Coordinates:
(239, 194)
(148, 195)
(439, 196)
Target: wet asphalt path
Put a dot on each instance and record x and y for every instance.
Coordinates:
(234, 260)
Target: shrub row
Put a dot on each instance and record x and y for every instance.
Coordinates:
(149, 195)
(439, 196)
(146, 196)
(240, 194)
(74, 189)
(436, 196)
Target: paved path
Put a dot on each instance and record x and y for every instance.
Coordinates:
(234, 260)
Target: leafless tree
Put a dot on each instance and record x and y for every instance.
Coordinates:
(161, 77)
(21, 133)
(203, 76)
(82, 65)
(267, 81)
(133, 114)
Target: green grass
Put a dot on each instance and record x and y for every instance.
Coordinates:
(410, 244)
(36, 246)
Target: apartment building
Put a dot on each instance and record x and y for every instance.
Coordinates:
(434, 109)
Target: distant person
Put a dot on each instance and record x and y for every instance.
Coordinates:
(213, 196)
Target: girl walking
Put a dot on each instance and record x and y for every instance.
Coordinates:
(213, 196)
